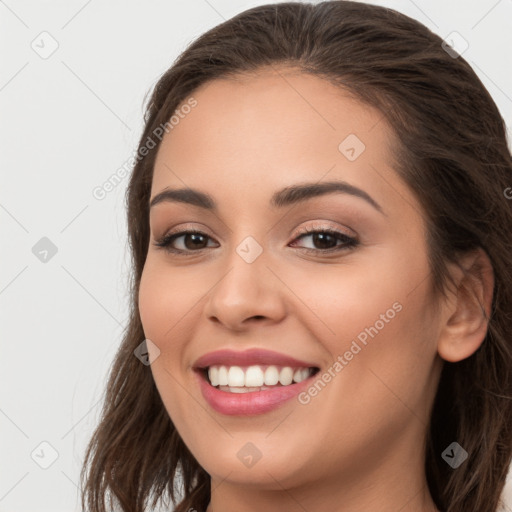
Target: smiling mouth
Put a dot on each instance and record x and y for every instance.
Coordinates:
(247, 379)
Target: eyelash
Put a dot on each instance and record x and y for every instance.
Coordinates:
(350, 243)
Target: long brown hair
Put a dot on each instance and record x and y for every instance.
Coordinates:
(452, 152)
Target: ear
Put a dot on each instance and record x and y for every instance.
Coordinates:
(466, 314)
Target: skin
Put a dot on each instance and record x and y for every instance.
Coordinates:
(358, 444)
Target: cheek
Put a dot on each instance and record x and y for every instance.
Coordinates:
(377, 320)
(150, 294)
(338, 302)
(161, 306)
(168, 305)
(389, 378)
(163, 300)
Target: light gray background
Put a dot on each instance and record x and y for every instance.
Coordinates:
(68, 122)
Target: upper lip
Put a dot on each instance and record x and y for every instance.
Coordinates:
(249, 357)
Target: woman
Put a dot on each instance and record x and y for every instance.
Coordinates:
(321, 243)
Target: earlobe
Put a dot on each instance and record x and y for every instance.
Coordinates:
(467, 313)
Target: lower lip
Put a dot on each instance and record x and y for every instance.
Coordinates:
(253, 402)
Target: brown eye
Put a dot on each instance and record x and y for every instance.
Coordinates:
(193, 241)
(324, 240)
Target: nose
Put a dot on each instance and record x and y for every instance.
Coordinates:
(245, 294)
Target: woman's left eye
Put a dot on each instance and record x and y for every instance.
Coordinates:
(329, 236)
(328, 239)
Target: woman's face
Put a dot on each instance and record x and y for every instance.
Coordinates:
(361, 314)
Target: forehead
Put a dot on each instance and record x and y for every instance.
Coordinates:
(254, 133)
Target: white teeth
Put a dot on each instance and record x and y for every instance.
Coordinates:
(223, 376)
(300, 374)
(241, 390)
(236, 376)
(213, 374)
(286, 376)
(255, 377)
(271, 376)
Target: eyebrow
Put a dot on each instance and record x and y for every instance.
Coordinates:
(287, 196)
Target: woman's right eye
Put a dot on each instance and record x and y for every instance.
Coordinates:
(193, 241)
